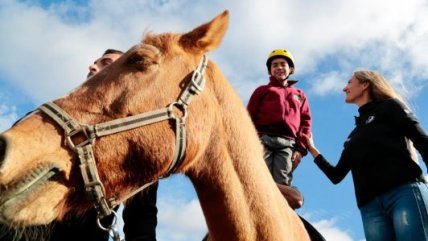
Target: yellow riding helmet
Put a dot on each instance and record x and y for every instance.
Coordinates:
(281, 53)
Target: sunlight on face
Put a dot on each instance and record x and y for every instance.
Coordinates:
(280, 69)
(354, 90)
(102, 62)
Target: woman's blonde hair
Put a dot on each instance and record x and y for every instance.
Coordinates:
(380, 89)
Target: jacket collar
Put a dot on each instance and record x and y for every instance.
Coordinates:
(274, 82)
(364, 110)
(367, 107)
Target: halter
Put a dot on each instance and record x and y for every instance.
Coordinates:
(93, 186)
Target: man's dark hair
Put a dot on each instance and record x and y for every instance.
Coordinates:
(112, 51)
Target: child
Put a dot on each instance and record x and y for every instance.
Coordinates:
(281, 115)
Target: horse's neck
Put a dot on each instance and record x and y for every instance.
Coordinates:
(241, 202)
(237, 193)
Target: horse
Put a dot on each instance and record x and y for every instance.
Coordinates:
(162, 108)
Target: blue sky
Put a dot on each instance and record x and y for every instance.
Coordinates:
(46, 47)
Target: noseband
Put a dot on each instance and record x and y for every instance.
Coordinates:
(93, 186)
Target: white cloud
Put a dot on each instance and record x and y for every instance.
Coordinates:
(180, 216)
(47, 54)
(331, 225)
(327, 82)
(330, 231)
(7, 116)
(180, 221)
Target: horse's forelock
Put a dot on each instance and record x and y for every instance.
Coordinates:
(161, 41)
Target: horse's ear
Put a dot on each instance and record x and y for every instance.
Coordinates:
(207, 36)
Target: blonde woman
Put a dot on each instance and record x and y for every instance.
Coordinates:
(390, 188)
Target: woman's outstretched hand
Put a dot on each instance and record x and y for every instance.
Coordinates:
(311, 146)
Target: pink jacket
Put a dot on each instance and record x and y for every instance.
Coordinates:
(281, 111)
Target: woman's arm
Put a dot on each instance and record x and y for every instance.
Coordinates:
(335, 173)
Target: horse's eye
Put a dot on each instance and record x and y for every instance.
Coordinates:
(136, 61)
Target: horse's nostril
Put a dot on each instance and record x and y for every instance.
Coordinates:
(2, 149)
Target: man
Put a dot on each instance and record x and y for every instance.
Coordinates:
(109, 56)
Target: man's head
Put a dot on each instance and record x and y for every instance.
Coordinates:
(108, 57)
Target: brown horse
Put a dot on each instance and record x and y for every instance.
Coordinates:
(159, 109)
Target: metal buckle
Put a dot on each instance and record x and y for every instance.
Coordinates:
(86, 131)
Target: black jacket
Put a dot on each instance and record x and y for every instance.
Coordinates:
(376, 152)
(140, 215)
